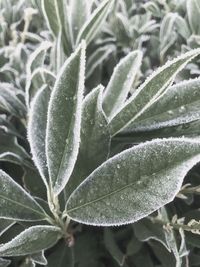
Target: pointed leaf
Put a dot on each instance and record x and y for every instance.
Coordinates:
(134, 183)
(10, 102)
(64, 119)
(94, 22)
(16, 203)
(32, 240)
(5, 224)
(37, 130)
(39, 258)
(95, 139)
(79, 12)
(149, 91)
(193, 12)
(121, 82)
(179, 105)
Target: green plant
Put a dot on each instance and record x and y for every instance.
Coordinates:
(113, 155)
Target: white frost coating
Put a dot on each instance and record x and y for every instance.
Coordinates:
(114, 123)
(36, 148)
(178, 105)
(121, 82)
(16, 203)
(39, 258)
(31, 240)
(39, 52)
(89, 204)
(94, 22)
(72, 140)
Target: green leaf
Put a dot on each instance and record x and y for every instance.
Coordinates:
(32, 240)
(55, 12)
(39, 258)
(145, 230)
(64, 120)
(179, 105)
(37, 58)
(5, 224)
(134, 183)
(149, 91)
(37, 130)
(4, 263)
(51, 13)
(121, 82)
(79, 12)
(95, 139)
(38, 78)
(16, 203)
(193, 13)
(113, 248)
(10, 102)
(11, 151)
(92, 26)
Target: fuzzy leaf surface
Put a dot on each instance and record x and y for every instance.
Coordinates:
(16, 203)
(121, 82)
(149, 91)
(92, 26)
(37, 130)
(64, 120)
(134, 183)
(179, 105)
(95, 139)
(31, 240)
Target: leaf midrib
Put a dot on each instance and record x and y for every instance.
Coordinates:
(120, 189)
(19, 204)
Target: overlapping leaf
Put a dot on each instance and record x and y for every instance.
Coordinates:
(134, 183)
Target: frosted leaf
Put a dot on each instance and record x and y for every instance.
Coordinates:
(31, 240)
(37, 130)
(79, 11)
(10, 102)
(16, 203)
(64, 120)
(121, 82)
(193, 10)
(179, 105)
(113, 196)
(95, 139)
(38, 78)
(92, 26)
(149, 91)
(39, 258)
(5, 224)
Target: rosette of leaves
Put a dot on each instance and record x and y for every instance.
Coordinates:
(79, 146)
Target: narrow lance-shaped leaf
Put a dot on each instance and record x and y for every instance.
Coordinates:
(121, 82)
(149, 91)
(5, 224)
(16, 204)
(193, 12)
(32, 240)
(51, 13)
(134, 183)
(64, 120)
(37, 130)
(179, 105)
(94, 22)
(39, 258)
(79, 12)
(95, 139)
